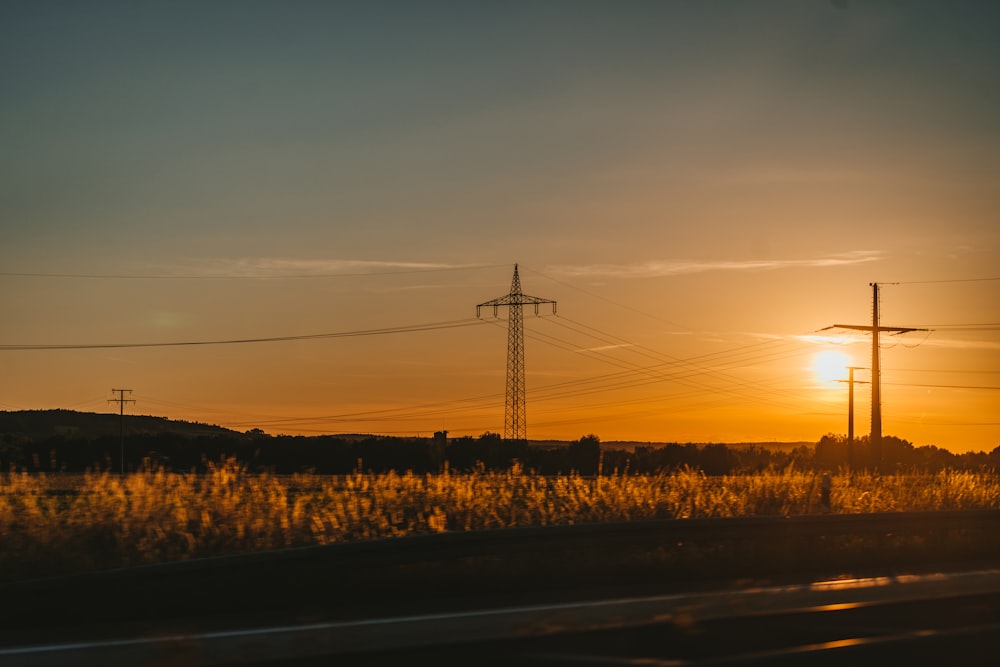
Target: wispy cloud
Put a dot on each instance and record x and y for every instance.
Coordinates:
(913, 339)
(279, 267)
(602, 348)
(843, 338)
(675, 267)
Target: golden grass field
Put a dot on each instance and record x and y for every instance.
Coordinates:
(54, 524)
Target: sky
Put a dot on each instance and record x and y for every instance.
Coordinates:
(702, 187)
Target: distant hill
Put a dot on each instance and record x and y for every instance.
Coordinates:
(36, 424)
(42, 424)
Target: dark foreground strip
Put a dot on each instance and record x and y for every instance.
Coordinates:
(983, 527)
(856, 652)
(460, 571)
(295, 642)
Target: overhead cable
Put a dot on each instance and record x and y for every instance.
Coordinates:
(453, 324)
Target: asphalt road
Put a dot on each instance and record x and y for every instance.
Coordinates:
(928, 619)
(906, 589)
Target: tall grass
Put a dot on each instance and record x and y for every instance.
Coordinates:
(52, 524)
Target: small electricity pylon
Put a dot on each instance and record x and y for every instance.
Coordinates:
(850, 414)
(514, 427)
(121, 401)
(875, 329)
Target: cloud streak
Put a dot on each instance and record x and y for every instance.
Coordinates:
(676, 267)
(602, 348)
(278, 267)
(925, 339)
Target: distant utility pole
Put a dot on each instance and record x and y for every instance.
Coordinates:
(875, 329)
(850, 414)
(121, 401)
(515, 427)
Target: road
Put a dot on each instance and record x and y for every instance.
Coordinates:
(669, 593)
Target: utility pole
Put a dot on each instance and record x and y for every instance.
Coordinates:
(850, 414)
(121, 401)
(875, 329)
(515, 427)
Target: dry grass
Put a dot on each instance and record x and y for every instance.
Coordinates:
(53, 524)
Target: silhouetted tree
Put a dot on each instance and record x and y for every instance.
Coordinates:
(717, 460)
(585, 454)
(831, 452)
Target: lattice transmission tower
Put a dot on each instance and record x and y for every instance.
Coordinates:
(515, 427)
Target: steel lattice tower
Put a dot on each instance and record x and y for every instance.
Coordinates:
(514, 427)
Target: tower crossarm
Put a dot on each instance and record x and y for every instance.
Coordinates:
(514, 300)
(865, 327)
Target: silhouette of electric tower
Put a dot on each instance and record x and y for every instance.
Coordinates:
(875, 329)
(514, 427)
(850, 413)
(121, 401)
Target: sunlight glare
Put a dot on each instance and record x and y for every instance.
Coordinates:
(830, 366)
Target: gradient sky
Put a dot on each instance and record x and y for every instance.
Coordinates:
(702, 186)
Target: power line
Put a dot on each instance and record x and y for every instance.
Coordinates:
(941, 370)
(656, 374)
(570, 389)
(965, 327)
(665, 371)
(433, 326)
(953, 280)
(707, 370)
(683, 371)
(650, 374)
(399, 413)
(697, 369)
(942, 386)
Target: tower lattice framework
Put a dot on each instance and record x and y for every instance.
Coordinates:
(515, 426)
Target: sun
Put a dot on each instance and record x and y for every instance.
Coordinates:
(830, 366)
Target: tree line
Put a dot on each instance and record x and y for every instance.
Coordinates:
(285, 454)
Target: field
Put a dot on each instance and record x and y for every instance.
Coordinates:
(55, 524)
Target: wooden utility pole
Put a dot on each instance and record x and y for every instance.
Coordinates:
(121, 401)
(850, 414)
(875, 329)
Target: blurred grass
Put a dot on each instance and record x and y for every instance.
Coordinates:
(57, 524)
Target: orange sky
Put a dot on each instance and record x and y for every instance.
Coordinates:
(702, 188)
